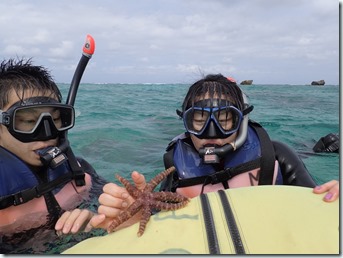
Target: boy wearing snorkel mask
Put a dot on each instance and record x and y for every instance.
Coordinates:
(221, 149)
(40, 178)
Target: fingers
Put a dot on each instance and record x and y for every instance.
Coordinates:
(73, 221)
(99, 221)
(138, 179)
(88, 227)
(332, 189)
(325, 187)
(113, 200)
(115, 191)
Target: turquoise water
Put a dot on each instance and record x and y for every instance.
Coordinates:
(125, 127)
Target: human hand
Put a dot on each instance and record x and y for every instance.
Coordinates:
(332, 187)
(114, 200)
(74, 221)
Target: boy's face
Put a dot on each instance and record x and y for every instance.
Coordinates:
(26, 151)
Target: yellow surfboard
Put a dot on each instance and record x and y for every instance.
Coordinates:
(248, 220)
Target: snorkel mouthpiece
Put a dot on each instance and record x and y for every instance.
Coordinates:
(209, 154)
(53, 156)
(213, 154)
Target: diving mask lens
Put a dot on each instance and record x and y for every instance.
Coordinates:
(227, 119)
(26, 120)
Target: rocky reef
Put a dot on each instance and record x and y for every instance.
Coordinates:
(320, 82)
(246, 82)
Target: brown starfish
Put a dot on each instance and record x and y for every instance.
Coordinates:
(146, 200)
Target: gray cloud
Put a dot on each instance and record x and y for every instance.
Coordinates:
(270, 41)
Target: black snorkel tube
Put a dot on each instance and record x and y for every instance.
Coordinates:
(53, 156)
(213, 154)
(88, 51)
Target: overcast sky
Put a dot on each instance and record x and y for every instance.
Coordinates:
(175, 41)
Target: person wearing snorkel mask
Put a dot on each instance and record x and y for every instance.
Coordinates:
(220, 149)
(41, 181)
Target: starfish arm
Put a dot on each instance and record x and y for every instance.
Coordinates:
(165, 206)
(169, 197)
(125, 215)
(146, 213)
(159, 177)
(132, 190)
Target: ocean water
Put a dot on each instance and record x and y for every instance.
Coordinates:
(125, 127)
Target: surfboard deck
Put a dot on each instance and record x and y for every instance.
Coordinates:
(261, 220)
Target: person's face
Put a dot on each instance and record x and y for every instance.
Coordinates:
(26, 151)
(225, 121)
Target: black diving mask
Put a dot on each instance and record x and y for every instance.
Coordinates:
(37, 119)
(212, 119)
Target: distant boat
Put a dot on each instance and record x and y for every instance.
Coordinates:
(320, 82)
(246, 82)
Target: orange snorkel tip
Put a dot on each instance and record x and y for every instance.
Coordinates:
(89, 47)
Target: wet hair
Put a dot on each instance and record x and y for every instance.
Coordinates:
(20, 76)
(217, 87)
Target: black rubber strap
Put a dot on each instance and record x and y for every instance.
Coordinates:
(35, 192)
(212, 240)
(221, 176)
(231, 223)
(268, 157)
